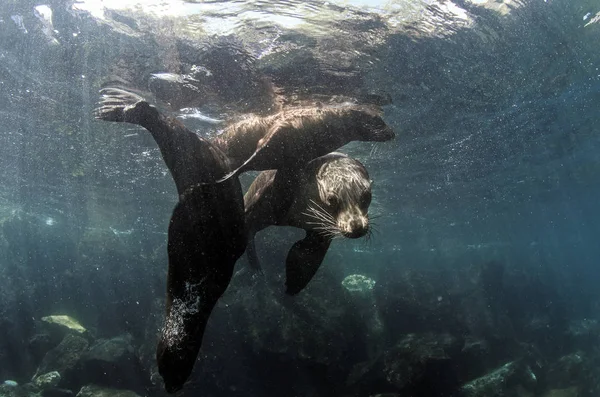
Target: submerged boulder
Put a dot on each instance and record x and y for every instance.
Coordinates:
(47, 380)
(359, 290)
(568, 392)
(357, 283)
(417, 364)
(109, 362)
(15, 390)
(65, 356)
(57, 392)
(513, 379)
(568, 371)
(67, 322)
(267, 326)
(97, 391)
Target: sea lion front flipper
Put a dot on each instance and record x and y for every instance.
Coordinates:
(238, 170)
(266, 203)
(304, 259)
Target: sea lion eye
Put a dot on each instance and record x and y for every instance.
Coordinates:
(332, 200)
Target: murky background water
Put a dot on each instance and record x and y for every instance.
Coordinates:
(487, 197)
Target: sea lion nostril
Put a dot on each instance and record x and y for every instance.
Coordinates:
(354, 228)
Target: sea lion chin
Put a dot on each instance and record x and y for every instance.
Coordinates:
(328, 198)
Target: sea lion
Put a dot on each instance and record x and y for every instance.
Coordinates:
(206, 231)
(328, 198)
(295, 136)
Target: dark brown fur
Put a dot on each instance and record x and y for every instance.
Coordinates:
(295, 136)
(206, 231)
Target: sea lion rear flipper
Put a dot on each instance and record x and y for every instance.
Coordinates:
(202, 255)
(303, 261)
(120, 105)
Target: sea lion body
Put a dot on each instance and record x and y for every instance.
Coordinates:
(293, 137)
(206, 232)
(328, 198)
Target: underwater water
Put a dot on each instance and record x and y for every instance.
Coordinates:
(479, 277)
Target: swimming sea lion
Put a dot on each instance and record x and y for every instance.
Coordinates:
(206, 232)
(295, 136)
(328, 198)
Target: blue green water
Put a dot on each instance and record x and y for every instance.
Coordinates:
(496, 111)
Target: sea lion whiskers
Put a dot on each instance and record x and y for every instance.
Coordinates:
(320, 215)
(326, 224)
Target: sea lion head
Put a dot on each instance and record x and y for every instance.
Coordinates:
(368, 124)
(345, 195)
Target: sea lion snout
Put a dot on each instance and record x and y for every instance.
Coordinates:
(353, 224)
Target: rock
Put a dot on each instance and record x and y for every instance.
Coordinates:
(360, 293)
(67, 322)
(514, 379)
(7, 390)
(358, 283)
(111, 350)
(57, 392)
(584, 333)
(65, 356)
(568, 392)
(414, 365)
(567, 371)
(270, 328)
(96, 391)
(327, 314)
(39, 344)
(47, 380)
(110, 363)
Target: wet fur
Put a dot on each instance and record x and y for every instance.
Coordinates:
(296, 136)
(206, 231)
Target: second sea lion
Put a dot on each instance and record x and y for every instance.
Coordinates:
(295, 136)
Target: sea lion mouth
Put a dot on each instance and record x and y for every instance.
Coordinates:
(354, 226)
